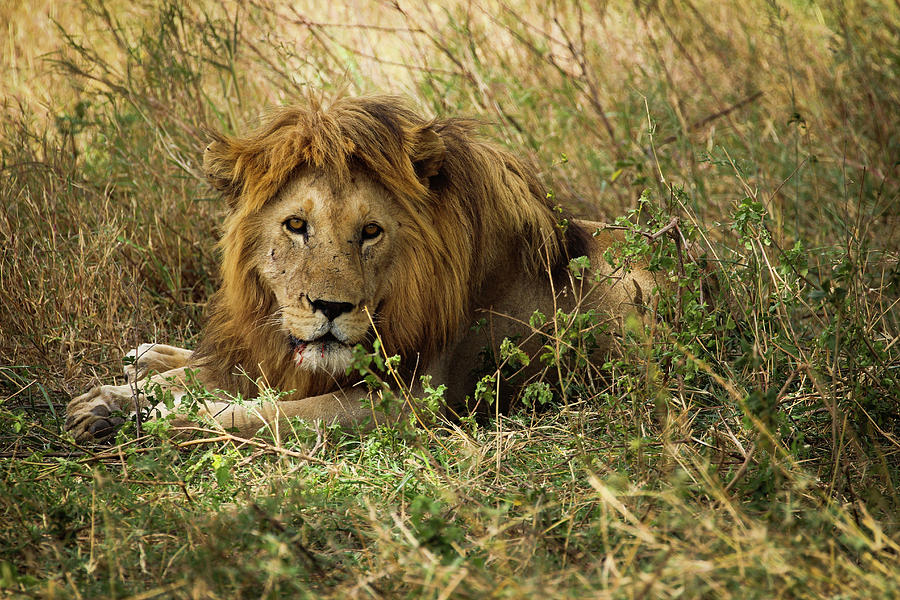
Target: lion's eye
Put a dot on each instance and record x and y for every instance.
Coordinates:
(295, 225)
(371, 231)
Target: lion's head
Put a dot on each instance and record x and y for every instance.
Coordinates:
(327, 251)
(359, 213)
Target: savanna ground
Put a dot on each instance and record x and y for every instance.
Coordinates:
(747, 447)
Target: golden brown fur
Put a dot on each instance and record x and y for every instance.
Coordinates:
(484, 202)
(474, 232)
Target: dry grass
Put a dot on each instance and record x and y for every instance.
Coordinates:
(745, 451)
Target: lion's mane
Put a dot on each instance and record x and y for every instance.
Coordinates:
(466, 200)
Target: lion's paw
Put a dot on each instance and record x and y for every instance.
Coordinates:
(158, 358)
(92, 416)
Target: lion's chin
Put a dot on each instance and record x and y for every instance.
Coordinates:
(331, 356)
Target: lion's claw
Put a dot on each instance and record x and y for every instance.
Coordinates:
(94, 415)
(91, 416)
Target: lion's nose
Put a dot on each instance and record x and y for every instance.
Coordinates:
(331, 310)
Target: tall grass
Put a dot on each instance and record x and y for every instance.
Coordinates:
(747, 447)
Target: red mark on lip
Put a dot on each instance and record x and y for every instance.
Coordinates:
(299, 353)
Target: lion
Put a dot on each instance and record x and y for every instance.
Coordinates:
(363, 221)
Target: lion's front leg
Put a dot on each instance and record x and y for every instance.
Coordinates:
(158, 358)
(95, 415)
(348, 408)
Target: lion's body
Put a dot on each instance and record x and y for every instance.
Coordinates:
(365, 220)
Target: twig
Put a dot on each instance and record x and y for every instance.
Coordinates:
(659, 233)
(652, 236)
(716, 115)
(742, 469)
(228, 437)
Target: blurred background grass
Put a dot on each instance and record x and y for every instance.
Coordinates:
(763, 462)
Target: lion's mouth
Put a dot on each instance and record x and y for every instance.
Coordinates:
(322, 339)
(321, 349)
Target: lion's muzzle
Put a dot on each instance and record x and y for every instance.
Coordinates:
(325, 352)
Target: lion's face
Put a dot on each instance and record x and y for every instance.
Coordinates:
(325, 252)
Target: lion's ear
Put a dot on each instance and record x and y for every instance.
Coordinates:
(218, 167)
(428, 155)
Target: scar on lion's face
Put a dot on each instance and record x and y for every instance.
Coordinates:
(323, 251)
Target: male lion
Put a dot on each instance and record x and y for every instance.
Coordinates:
(359, 220)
